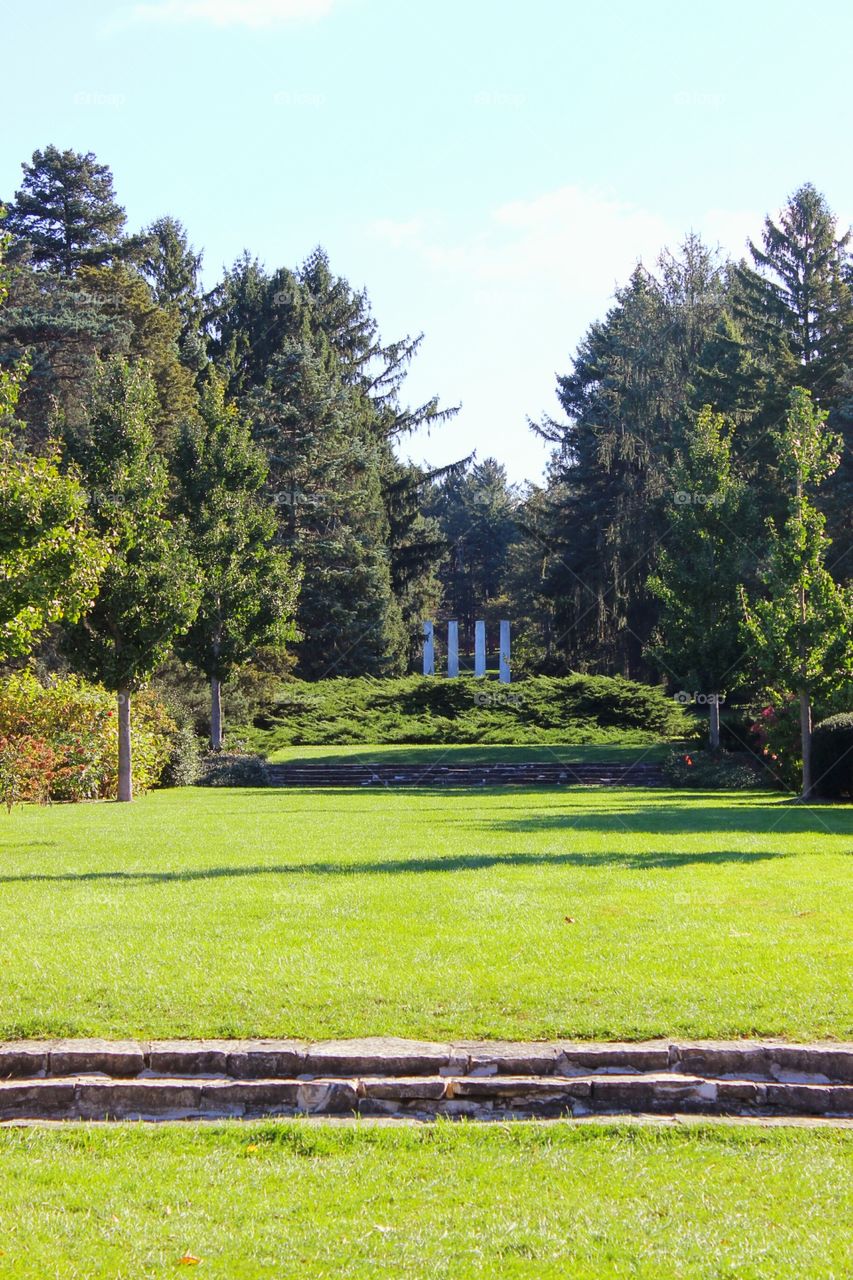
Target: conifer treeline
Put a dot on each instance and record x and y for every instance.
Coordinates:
(277, 384)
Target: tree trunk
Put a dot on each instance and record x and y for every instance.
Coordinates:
(714, 721)
(215, 714)
(806, 735)
(125, 765)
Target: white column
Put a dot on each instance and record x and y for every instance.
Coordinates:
(479, 649)
(453, 648)
(429, 649)
(505, 653)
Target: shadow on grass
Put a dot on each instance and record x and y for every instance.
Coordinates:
(409, 866)
(676, 820)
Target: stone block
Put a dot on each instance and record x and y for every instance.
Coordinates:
(620, 1059)
(250, 1097)
(137, 1099)
(375, 1056)
(189, 1057)
(404, 1090)
(509, 1059)
(266, 1059)
(37, 1100)
(21, 1060)
(327, 1097)
(810, 1099)
(122, 1058)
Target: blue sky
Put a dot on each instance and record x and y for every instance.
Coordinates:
(490, 170)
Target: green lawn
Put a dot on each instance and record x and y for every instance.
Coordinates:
(591, 753)
(291, 1200)
(428, 913)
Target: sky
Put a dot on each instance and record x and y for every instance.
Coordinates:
(491, 171)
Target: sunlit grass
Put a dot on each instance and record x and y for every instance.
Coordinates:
(291, 1200)
(428, 913)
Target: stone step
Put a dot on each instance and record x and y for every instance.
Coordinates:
(101, 1098)
(768, 1061)
(522, 773)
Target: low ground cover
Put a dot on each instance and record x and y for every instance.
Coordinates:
(450, 1201)
(542, 709)
(518, 913)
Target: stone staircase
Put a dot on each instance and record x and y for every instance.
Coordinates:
(189, 1080)
(528, 774)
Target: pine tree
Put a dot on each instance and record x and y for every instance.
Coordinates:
(149, 593)
(248, 587)
(65, 214)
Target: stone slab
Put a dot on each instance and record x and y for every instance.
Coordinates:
(621, 1059)
(122, 1058)
(37, 1100)
(137, 1099)
(375, 1056)
(24, 1059)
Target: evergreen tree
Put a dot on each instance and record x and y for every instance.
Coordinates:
(173, 270)
(149, 593)
(801, 628)
(248, 587)
(699, 572)
(65, 214)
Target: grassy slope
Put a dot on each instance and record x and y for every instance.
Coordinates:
(461, 1202)
(428, 914)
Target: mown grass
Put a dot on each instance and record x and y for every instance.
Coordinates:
(488, 913)
(291, 1200)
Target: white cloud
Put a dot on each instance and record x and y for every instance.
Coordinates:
(232, 13)
(505, 303)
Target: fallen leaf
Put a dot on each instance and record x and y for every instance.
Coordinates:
(189, 1260)
(570, 919)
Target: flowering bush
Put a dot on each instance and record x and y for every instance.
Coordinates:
(59, 740)
(713, 771)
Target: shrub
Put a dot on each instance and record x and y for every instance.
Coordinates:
(75, 727)
(184, 765)
(232, 769)
(27, 770)
(543, 709)
(713, 771)
(832, 757)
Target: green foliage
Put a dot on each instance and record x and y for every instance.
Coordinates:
(51, 560)
(832, 757)
(801, 628)
(248, 585)
(149, 592)
(65, 214)
(232, 769)
(58, 740)
(698, 642)
(715, 771)
(579, 709)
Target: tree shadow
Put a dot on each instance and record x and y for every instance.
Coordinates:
(408, 866)
(666, 819)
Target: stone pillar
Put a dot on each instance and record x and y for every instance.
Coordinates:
(479, 649)
(429, 649)
(505, 654)
(453, 648)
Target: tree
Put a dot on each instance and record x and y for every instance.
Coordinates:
(65, 212)
(248, 585)
(802, 627)
(626, 400)
(699, 571)
(50, 559)
(475, 510)
(149, 593)
(802, 290)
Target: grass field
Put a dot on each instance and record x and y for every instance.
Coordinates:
(428, 913)
(291, 1200)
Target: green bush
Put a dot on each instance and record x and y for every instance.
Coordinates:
(832, 757)
(232, 769)
(71, 726)
(411, 710)
(714, 771)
